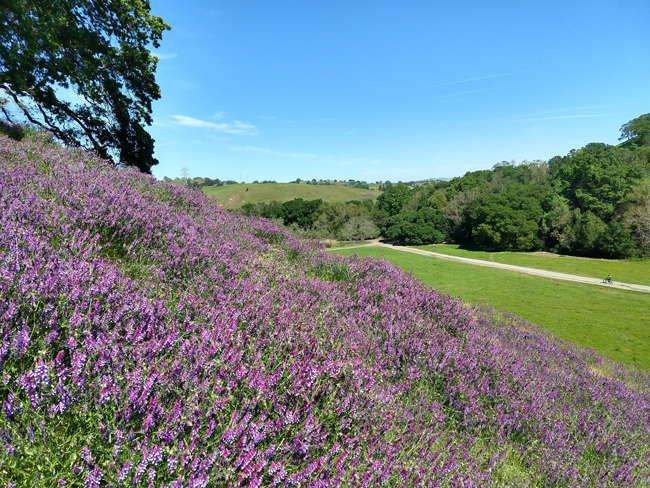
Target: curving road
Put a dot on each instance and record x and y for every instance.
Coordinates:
(519, 269)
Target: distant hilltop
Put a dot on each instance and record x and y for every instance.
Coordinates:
(200, 182)
(430, 181)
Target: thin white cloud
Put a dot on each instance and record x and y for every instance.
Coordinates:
(325, 159)
(531, 117)
(479, 78)
(575, 109)
(234, 127)
(482, 90)
(276, 153)
(571, 109)
(563, 117)
(266, 118)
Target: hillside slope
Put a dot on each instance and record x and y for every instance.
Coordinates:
(151, 337)
(231, 196)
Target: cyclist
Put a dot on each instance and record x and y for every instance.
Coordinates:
(608, 280)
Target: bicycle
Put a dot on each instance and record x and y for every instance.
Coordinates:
(608, 281)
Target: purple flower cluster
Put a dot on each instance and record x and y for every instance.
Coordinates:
(149, 337)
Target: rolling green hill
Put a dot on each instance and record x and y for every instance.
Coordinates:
(232, 196)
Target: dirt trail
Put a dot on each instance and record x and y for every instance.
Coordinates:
(519, 269)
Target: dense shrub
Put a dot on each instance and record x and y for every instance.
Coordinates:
(299, 211)
(425, 226)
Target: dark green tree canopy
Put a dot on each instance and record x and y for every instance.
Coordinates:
(394, 198)
(636, 127)
(98, 49)
(595, 178)
(425, 226)
(301, 212)
(510, 219)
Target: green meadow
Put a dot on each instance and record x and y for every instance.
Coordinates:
(624, 270)
(615, 323)
(232, 196)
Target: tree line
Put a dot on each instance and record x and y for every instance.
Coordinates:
(594, 201)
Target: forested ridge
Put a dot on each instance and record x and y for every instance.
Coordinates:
(594, 201)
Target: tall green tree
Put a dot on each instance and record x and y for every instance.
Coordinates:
(510, 219)
(425, 226)
(595, 178)
(394, 198)
(299, 211)
(636, 127)
(99, 49)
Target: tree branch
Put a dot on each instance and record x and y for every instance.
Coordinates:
(22, 107)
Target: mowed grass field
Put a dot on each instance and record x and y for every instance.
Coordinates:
(626, 270)
(231, 196)
(616, 323)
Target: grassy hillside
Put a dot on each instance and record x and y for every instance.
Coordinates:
(624, 270)
(151, 338)
(232, 196)
(616, 323)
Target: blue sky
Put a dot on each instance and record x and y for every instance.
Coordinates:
(388, 90)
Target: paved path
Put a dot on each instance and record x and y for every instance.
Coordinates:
(520, 269)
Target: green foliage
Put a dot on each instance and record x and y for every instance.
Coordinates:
(394, 198)
(272, 210)
(592, 202)
(438, 201)
(14, 131)
(638, 213)
(334, 271)
(595, 178)
(556, 223)
(354, 220)
(415, 228)
(350, 221)
(272, 236)
(617, 242)
(359, 228)
(101, 51)
(472, 180)
(299, 211)
(528, 172)
(18, 132)
(636, 127)
(588, 231)
(510, 220)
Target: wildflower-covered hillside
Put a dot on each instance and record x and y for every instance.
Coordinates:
(150, 338)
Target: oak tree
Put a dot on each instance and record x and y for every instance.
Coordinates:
(96, 49)
(635, 127)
